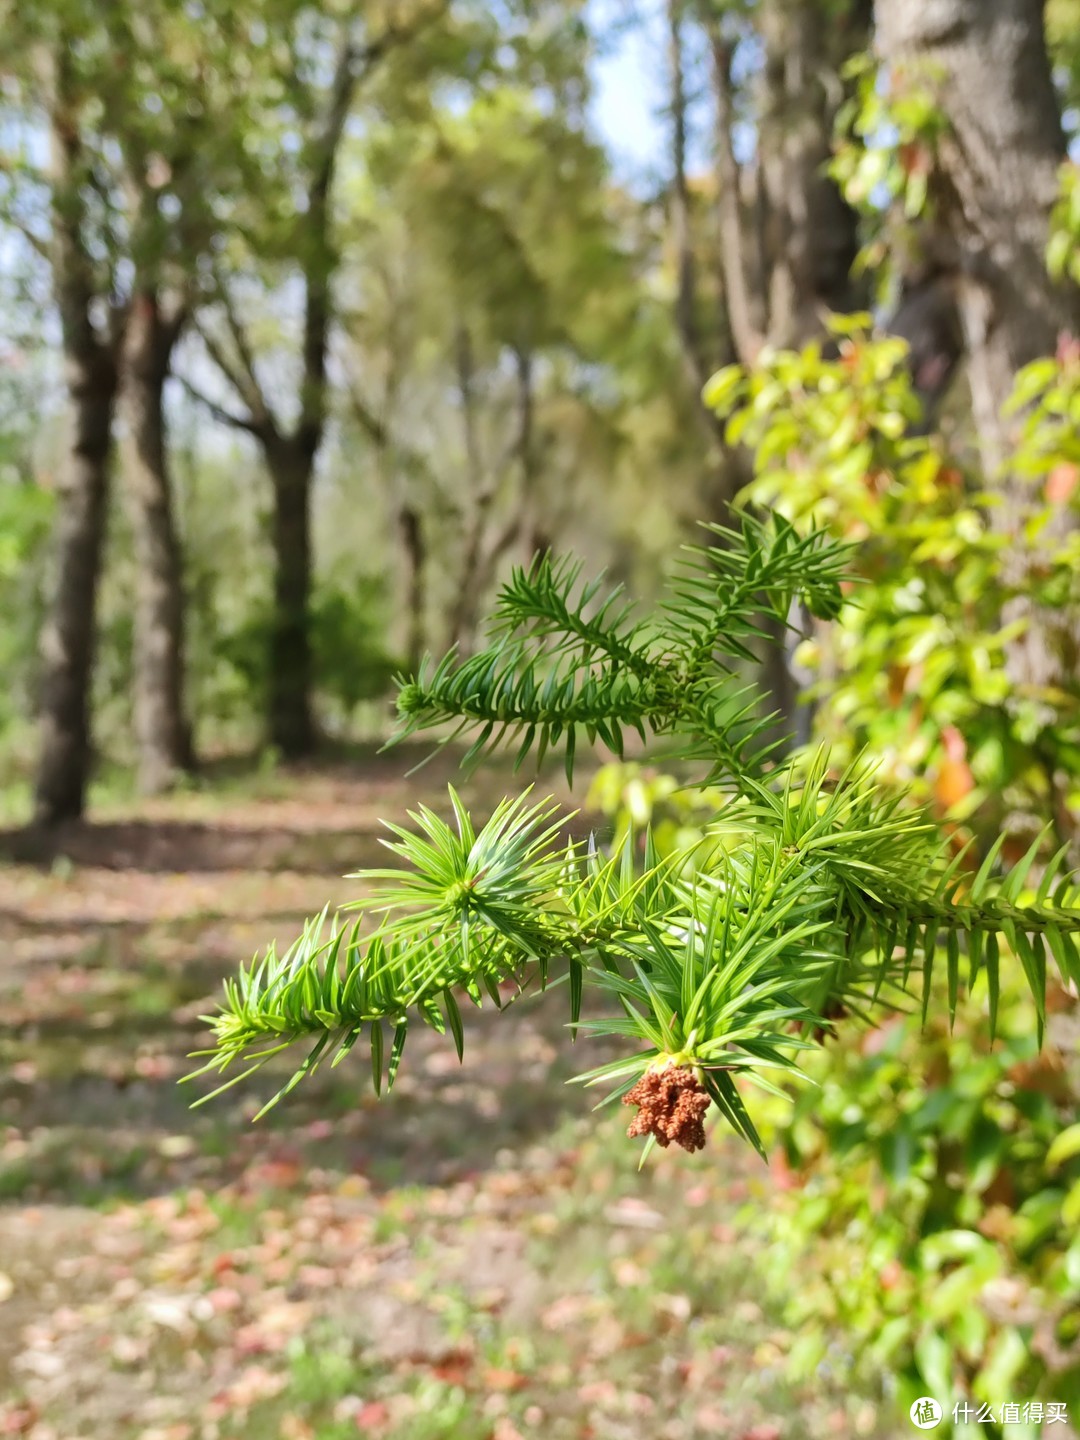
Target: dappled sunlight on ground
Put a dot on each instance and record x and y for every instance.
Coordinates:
(476, 1256)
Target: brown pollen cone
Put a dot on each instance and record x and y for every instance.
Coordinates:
(672, 1105)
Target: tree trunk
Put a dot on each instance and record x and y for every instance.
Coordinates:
(292, 729)
(811, 232)
(525, 529)
(996, 181)
(479, 499)
(411, 532)
(682, 239)
(90, 374)
(162, 733)
(535, 539)
(67, 640)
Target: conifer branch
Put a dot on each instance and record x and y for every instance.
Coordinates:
(813, 896)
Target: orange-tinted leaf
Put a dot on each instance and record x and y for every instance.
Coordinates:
(504, 1380)
(1061, 483)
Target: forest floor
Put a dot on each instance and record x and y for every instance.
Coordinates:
(477, 1257)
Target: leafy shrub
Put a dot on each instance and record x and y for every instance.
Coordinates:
(348, 627)
(351, 662)
(931, 1195)
(25, 518)
(918, 673)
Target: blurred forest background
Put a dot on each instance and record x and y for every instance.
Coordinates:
(317, 319)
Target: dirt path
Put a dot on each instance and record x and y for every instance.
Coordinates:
(476, 1257)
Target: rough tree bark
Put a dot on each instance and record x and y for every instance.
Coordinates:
(996, 181)
(67, 638)
(814, 237)
(809, 233)
(291, 464)
(91, 375)
(162, 732)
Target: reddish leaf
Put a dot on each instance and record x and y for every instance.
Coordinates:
(890, 1275)
(1061, 483)
(372, 1417)
(495, 1379)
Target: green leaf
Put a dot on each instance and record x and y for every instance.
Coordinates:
(982, 879)
(975, 953)
(1065, 1147)
(377, 1055)
(577, 982)
(453, 1019)
(993, 979)
(934, 1359)
(929, 937)
(721, 390)
(725, 1093)
(952, 949)
(401, 1031)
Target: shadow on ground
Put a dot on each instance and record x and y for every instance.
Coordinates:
(475, 1257)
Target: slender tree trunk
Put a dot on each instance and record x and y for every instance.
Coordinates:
(162, 733)
(812, 233)
(411, 533)
(809, 234)
(395, 470)
(291, 725)
(478, 502)
(535, 539)
(744, 300)
(67, 641)
(91, 377)
(699, 359)
(686, 317)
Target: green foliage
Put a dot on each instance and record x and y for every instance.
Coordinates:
(925, 1190)
(347, 626)
(25, 516)
(1063, 42)
(887, 136)
(1063, 249)
(929, 1190)
(929, 1201)
(921, 657)
(563, 663)
(351, 665)
(822, 889)
(644, 799)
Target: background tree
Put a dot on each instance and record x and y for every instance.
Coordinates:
(177, 167)
(53, 67)
(136, 181)
(325, 61)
